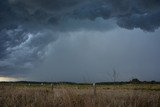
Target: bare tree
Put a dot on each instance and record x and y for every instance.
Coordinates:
(114, 75)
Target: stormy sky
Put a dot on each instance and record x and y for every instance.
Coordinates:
(80, 40)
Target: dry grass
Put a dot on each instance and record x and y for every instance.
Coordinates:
(79, 96)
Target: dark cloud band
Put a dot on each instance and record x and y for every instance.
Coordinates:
(128, 13)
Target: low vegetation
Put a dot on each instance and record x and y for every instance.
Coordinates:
(42, 95)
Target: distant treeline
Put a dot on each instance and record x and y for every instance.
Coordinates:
(133, 81)
(130, 82)
(47, 83)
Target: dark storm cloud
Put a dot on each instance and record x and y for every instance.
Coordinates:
(148, 21)
(128, 13)
(20, 49)
(89, 56)
(27, 27)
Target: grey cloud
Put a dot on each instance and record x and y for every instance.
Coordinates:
(13, 71)
(147, 21)
(20, 49)
(129, 14)
(27, 27)
(89, 56)
(40, 12)
(10, 38)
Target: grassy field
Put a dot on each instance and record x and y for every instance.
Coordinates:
(36, 95)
